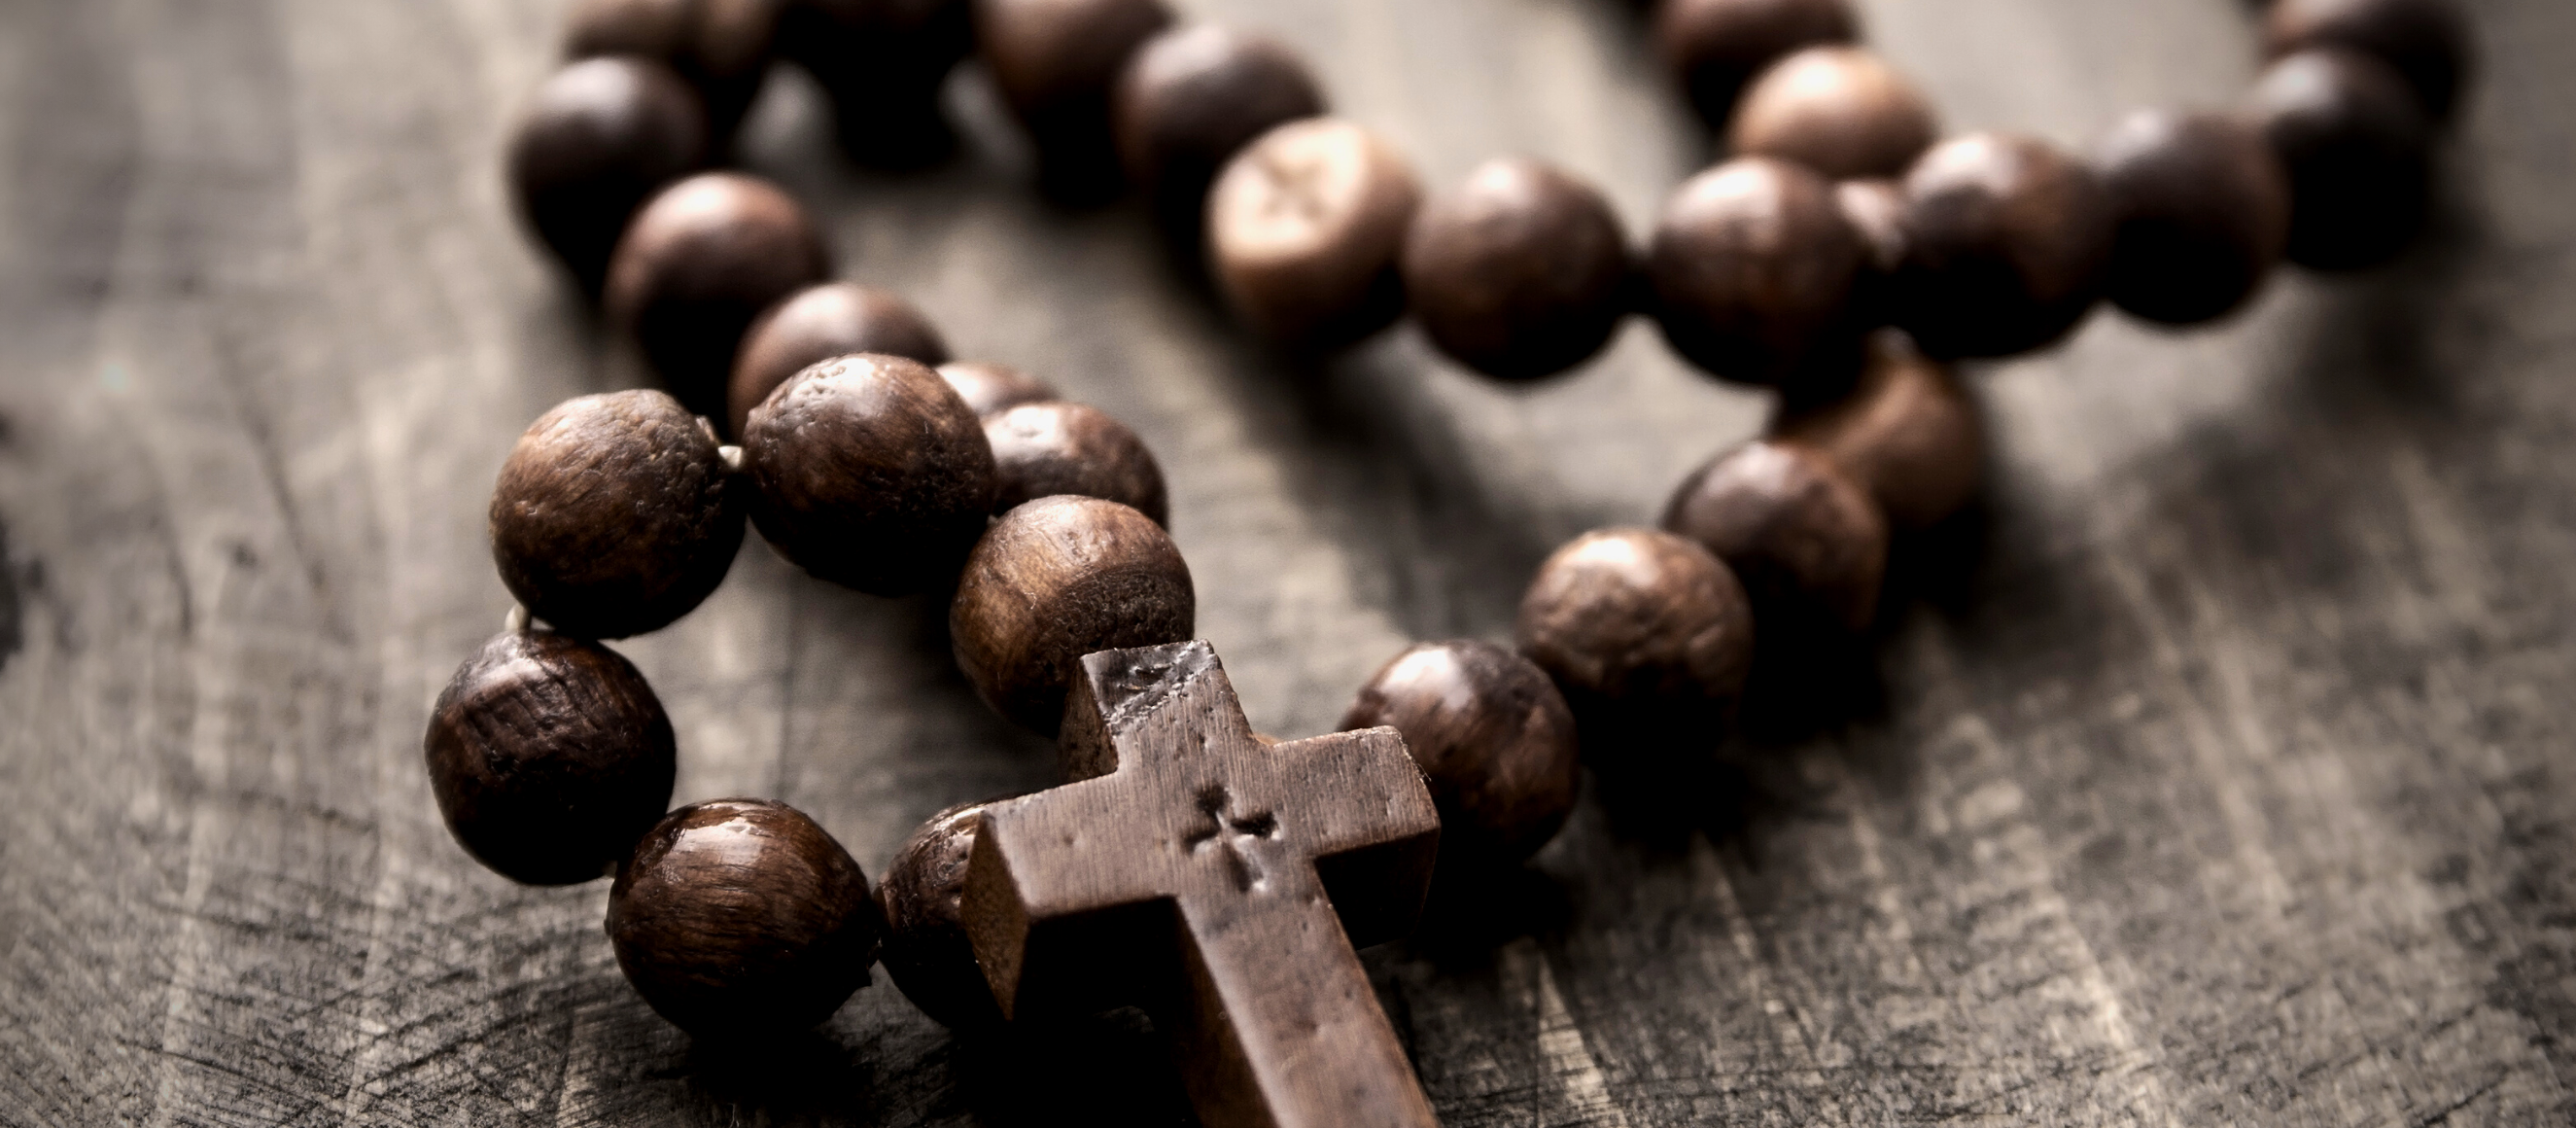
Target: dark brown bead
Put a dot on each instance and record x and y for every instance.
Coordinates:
(1754, 270)
(1638, 620)
(1493, 737)
(927, 952)
(1044, 449)
(700, 261)
(2427, 41)
(1807, 541)
(1716, 46)
(1521, 272)
(2358, 151)
(1055, 62)
(882, 62)
(1841, 111)
(1191, 98)
(597, 139)
(871, 473)
(2203, 211)
(2006, 241)
(720, 46)
(989, 389)
(819, 323)
(1053, 580)
(1909, 434)
(549, 756)
(740, 919)
(1304, 228)
(614, 515)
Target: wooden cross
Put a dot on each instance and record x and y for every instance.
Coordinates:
(1220, 883)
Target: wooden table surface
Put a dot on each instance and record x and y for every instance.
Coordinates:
(2214, 772)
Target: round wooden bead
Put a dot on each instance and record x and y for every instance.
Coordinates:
(549, 756)
(613, 515)
(2358, 151)
(1053, 580)
(702, 259)
(720, 46)
(992, 388)
(883, 63)
(2426, 41)
(871, 473)
(1841, 111)
(1909, 434)
(596, 140)
(1804, 538)
(1304, 228)
(1754, 269)
(740, 919)
(1045, 449)
(1193, 96)
(2006, 241)
(1494, 738)
(1519, 273)
(1638, 619)
(2202, 208)
(819, 323)
(1055, 62)
(927, 952)
(1716, 46)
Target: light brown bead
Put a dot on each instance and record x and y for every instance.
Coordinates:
(1056, 579)
(1044, 449)
(1493, 737)
(1638, 619)
(1304, 229)
(1808, 542)
(818, 323)
(1841, 111)
(1909, 433)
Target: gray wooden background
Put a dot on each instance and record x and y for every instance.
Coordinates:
(2218, 774)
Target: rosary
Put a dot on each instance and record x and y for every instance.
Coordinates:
(1211, 875)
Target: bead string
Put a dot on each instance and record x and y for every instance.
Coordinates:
(1804, 263)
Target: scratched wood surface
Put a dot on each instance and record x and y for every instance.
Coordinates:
(2215, 772)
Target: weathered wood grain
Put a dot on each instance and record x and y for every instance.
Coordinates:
(2212, 773)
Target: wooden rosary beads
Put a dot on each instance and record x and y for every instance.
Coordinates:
(1842, 257)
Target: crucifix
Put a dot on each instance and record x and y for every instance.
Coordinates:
(1220, 883)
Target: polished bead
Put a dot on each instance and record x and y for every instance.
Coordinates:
(1044, 449)
(2006, 243)
(614, 515)
(989, 389)
(1053, 580)
(549, 757)
(1304, 228)
(2358, 151)
(1716, 46)
(1842, 111)
(1519, 273)
(1808, 542)
(595, 141)
(1909, 433)
(720, 46)
(1754, 271)
(1055, 62)
(871, 473)
(927, 952)
(2428, 42)
(1639, 621)
(1193, 96)
(2203, 211)
(702, 259)
(819, 323)
(742, 920)
(1493, 737)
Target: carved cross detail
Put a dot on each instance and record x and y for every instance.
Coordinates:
(1218, 882)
